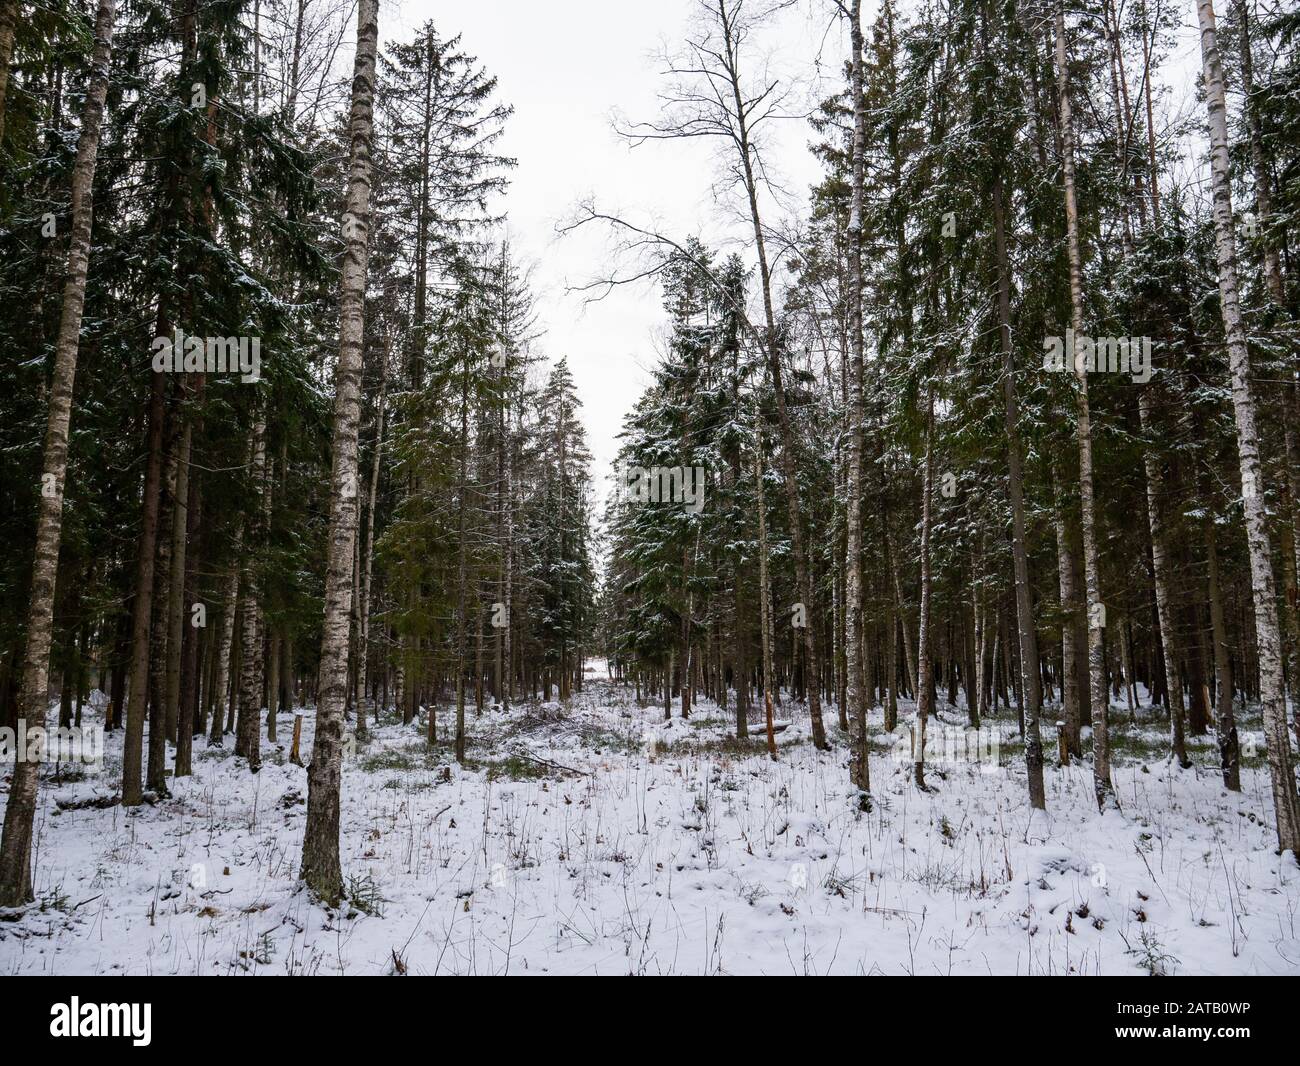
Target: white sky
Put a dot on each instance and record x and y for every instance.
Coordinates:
(567, 66)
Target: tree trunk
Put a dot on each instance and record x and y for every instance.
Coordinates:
(176, 591)
(159, 632)
(1015, 490)
(771, 345)
(1067, 573)
(1252, 490)
(765, 594)
(1087, 510)
(248, 724)
(8, 20)
(321, 868)
(1229, 746)
(225, 649)
(1161, 576)
(272, 684)
(856, 697)
(909, 658)
(15, 846)
(363, 640)
(190, 664)
(462, 562)
(924, 655)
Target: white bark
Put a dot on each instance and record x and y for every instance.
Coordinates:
(321, 868)
(856, 697)
(15, 845)
(1267, 638)
(1091, 563)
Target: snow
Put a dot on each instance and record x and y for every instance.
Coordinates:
(595, 838)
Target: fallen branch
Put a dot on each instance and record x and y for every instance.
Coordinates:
(554, 765)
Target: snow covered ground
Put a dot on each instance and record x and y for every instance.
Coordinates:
(595, 839)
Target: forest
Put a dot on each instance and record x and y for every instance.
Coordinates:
(938, 612)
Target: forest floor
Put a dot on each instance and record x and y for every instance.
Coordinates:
(596, 838)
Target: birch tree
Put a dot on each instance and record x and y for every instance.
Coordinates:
(859, 773)
(16, 843)
(1267, 636)
(321, 868)
(711, 98)
(1098, 687)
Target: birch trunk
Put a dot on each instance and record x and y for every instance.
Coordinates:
(1155, 484)
(856, 698)
(1267, 639)
(1091, 564)
(15, 845)
(1153, 183)
(462, 564)
(765, 593)
(321, 868)
(8, 20)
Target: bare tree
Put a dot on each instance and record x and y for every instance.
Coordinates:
(711, 97)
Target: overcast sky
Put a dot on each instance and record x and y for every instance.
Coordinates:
(568, 67)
